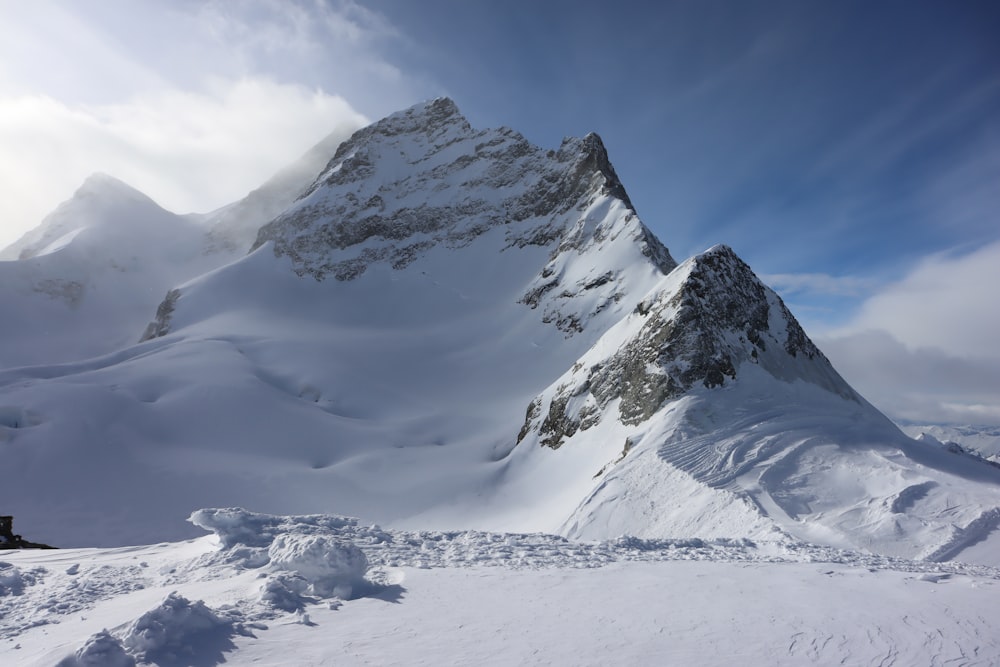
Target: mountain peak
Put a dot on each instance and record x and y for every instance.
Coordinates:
(425, 117)
(109, 189)
(424, 178)
(710, 316)
(101, 202)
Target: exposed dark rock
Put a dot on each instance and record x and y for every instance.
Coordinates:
(699, 335)
(70, 291)
(161, 325)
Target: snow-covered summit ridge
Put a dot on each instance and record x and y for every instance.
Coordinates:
(424, 177)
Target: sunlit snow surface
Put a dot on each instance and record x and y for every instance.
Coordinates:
(313, 590)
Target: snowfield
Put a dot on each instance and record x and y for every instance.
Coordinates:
(320, 589)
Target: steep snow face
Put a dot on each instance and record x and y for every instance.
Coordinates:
(89, 275)
(706, 319)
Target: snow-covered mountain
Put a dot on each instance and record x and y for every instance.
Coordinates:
(86, 278)
(233, 228)
(981, 441)
(86, 281)
(453, 328)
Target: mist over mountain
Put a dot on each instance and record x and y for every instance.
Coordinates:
(441, 327)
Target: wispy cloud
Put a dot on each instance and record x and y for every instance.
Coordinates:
(947, 301)
(193, 103)
(189, 151)
(819, 284)
(926, 385)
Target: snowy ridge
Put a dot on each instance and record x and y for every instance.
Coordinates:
(234, 227)
(707, 318)
(983, 441)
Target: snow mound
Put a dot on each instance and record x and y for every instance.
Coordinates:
(331, 566)
(13, 579)
(311, 555)
(176, 629)
(101, 650)
(236, 525)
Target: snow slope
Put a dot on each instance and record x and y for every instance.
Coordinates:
(324, 589)
(454, 329)
(87, 279)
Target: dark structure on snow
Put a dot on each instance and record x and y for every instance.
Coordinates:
(8, 540)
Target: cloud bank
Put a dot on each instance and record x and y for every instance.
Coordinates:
(193, 103)
(927, 348)
(189, 151)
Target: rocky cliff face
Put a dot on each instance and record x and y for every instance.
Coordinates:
(711, 316)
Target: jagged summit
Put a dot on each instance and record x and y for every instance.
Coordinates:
(424, 177)
(101, 184)
(426, 117)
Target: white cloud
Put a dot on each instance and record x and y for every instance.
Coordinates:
(948, 302)
(819, 283)
(193, 103)
(927, 348)
(925, 385)
(190, 151)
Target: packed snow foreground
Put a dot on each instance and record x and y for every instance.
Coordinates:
(322, 589)
(476, 343)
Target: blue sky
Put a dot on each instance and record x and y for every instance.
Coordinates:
(849, 151)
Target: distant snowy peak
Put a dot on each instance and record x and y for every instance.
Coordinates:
(103, 214)
(707, 318)
(424, 177)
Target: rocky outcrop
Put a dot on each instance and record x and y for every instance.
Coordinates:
(161, 325)
(714, 316)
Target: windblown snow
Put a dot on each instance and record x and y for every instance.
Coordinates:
(476, 343)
